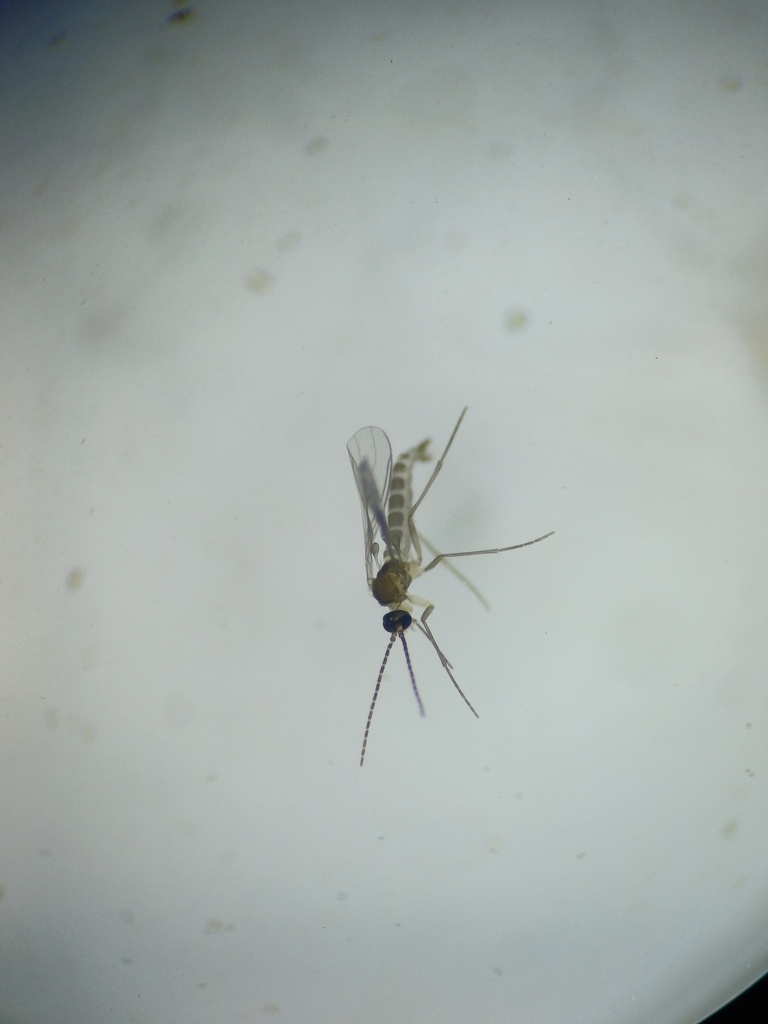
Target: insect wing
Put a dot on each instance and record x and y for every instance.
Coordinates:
(371, 456)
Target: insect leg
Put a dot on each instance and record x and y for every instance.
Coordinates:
(424, 627)
(435, 471)
(484, 551)
(459, 575)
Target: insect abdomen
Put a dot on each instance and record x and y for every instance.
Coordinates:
(401, 498)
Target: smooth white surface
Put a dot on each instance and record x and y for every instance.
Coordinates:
(227, 244)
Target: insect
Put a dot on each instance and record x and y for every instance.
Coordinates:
(393, 546)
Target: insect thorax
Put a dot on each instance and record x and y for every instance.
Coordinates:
(391, 584)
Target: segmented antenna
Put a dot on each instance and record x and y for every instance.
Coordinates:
(396, 624)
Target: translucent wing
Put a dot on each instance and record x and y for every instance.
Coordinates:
(371, 456)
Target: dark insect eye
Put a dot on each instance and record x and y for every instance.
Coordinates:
(397, 621)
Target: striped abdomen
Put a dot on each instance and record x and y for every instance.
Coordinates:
(401, 499)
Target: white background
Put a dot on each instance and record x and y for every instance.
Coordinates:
(226, 243)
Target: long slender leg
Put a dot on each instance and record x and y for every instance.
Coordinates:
(483, 551)
(459, 575)
(424, 627)
(435, 471)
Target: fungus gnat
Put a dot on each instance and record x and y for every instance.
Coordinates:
(393, 555)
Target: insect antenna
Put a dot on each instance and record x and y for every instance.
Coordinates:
(396, 624)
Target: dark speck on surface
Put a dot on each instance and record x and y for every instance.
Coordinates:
(180, 16)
